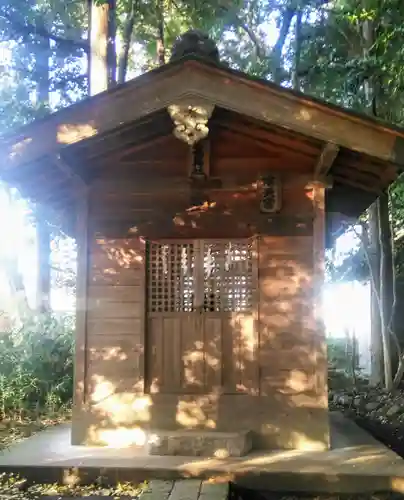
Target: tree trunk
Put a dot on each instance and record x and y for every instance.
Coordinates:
(89, 56)
(111, 49)
(161, 57)
(98, 67)
(385, 270)
(43, 285)
(42, 55)
(43, 289)
(376, 377)
(382, 252)
(11, 265)
(386, 246)
(127, 37)
(298, 48)
(17, 287)
(276, 55)
(102, 66)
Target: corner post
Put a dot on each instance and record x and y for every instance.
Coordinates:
(319, 333)
(318, 252)
(80, 356)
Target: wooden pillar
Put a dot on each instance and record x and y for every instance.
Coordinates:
(318, 252)
(80, 358)
(319, 333)
(322, 181)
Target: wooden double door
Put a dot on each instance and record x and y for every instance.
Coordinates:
(201, 321)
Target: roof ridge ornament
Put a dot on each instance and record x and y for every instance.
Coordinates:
(195, 42)
(191, 117)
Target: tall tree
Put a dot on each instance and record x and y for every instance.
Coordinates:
(43, 235)
(100, 53)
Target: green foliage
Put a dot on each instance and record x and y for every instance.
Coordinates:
(34, 34)
(343, 362)
(351, 266)
(36, 367)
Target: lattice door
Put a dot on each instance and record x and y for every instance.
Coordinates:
(201, 304)
(171, 280)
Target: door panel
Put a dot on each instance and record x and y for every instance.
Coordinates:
(201, 317)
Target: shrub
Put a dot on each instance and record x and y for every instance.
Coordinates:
(344, 371)
(36, 367)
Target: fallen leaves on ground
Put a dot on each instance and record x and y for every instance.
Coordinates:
(16, 488)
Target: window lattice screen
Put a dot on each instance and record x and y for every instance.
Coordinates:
(220, 273)
(228, 276)
(171, 277)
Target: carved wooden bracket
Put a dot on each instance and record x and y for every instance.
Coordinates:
(324, 163)
(190, 117)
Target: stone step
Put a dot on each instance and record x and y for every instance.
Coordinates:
(187, 489)
(200, 443)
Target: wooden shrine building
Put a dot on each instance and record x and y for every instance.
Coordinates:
(201, 201)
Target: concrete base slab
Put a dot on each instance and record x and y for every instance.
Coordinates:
(355, 463)
(200, 443)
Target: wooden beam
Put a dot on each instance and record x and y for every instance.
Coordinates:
(153, 141)
(230, 90)
(326, 160)
(118, 145)
(147, 186)
(358, 185)
(64, 167)
(209, 225)
(131, 128)
(266, 138)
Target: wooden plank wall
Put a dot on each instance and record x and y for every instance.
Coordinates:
(142, 199)
(115, 318)
(149, 193)
(287, 348)
(146, 196)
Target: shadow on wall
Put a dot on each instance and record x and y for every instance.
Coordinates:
(265, 373)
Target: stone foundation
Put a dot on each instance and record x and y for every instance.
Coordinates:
(200, 443)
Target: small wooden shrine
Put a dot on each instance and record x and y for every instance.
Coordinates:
(201, 201)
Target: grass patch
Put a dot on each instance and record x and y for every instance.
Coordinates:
(15, 487)
(36, 376)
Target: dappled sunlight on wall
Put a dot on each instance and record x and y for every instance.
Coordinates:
(69, 133)
(116, 412)
(114, 386)
(197, 411)
(121, 437)
(241, 372)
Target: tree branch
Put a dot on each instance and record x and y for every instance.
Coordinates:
(258, 49)
(276, 55)
(27, 29)
(238, 22)
(126, 42)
